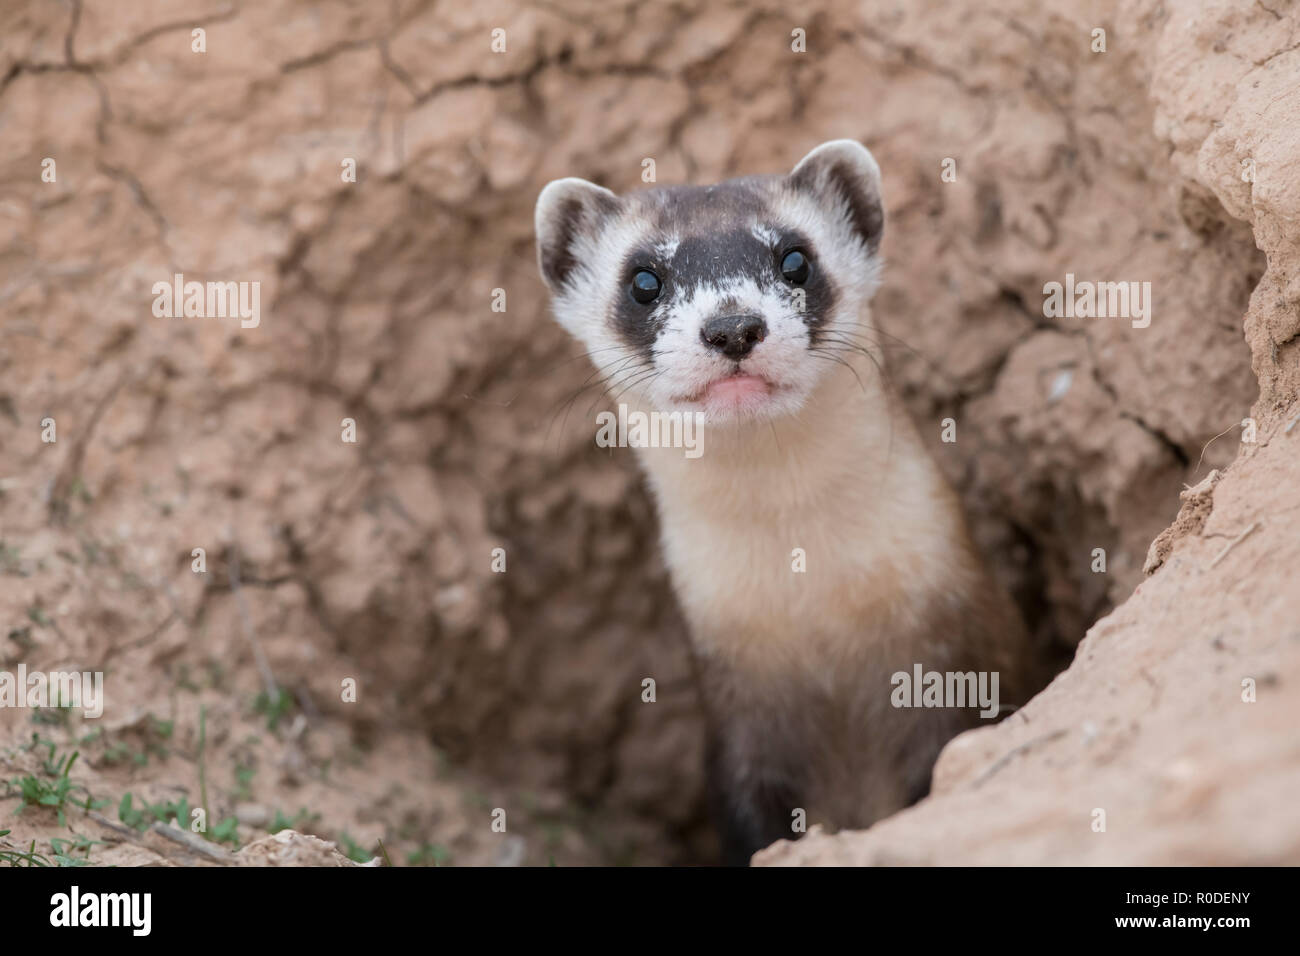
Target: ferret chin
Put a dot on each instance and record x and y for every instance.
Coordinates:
(814, 546)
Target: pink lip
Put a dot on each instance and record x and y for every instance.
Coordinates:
(735, 391)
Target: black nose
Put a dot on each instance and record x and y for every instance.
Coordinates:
(734, 335)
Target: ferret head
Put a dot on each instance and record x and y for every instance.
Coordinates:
(723, 299)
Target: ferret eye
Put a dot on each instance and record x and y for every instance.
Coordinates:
(794, 266)
(645, 286)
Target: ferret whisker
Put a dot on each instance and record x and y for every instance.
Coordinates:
(532, 378)
(859, 330)
(644, 378)
(859, 334)
(825, 354)
(847, 346)
(864, 341)
(634, 379)
(596, 378)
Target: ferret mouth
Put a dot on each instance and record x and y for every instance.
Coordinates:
(735, 392)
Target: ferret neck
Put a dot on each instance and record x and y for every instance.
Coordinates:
(846, 435)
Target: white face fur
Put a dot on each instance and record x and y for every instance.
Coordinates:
(729, 300)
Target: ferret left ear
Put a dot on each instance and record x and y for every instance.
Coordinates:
(566, 209)
(844, 172)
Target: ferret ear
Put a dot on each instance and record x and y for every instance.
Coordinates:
(566, 210)
(844, 174)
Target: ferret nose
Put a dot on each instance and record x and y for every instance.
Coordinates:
(734, 335)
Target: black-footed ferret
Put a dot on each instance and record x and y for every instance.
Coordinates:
(814, 545)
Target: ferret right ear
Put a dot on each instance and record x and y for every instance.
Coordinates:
(845, 175)
(566, 210)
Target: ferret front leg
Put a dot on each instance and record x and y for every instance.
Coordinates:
(754, 805)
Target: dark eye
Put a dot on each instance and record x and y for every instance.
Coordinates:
(645, 286)
(795, 267)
